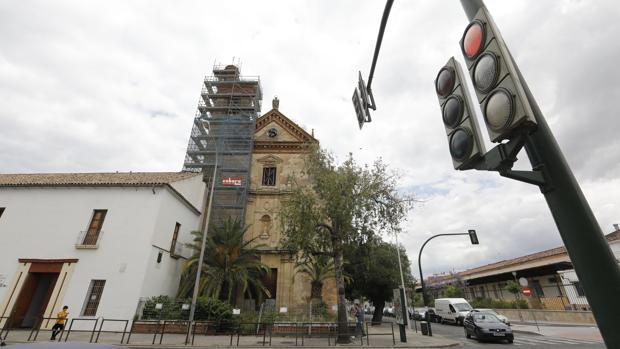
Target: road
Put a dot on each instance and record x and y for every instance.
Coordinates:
(522, 340)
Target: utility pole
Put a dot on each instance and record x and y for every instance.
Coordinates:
(583, 238)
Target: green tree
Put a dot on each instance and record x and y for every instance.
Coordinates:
(230, 264)
(318, 269)
(512, 287)
(334, 205)
(375, 272)
(453, 291)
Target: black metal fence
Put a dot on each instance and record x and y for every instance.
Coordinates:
(91, 329)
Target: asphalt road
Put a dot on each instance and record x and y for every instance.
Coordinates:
(521, 340)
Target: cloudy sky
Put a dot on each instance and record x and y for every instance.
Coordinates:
(90, 86)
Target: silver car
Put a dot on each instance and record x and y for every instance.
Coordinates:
(501, 317)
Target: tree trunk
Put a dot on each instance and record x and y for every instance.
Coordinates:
(316, 290)
(343, 331)
(377, 316)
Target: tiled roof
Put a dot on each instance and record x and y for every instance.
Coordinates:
(558, 251)
(130, 179)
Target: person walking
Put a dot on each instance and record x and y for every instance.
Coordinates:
(359, 319)
(61, 317)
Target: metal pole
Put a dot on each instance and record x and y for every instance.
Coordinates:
(590, 254)
(424, 296)
(204, 228)
(402, 282)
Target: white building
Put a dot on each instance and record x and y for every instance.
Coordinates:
(96, 242)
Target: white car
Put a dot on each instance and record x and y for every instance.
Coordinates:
(501, 317)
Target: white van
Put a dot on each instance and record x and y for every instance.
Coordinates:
(452, 309)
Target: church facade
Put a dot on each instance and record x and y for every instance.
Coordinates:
(280, 146)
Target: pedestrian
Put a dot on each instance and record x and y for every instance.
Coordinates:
(359, 319)
(61, 317)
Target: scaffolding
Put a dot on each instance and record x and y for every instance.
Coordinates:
(223, 136)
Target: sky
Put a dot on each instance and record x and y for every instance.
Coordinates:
(90, 86)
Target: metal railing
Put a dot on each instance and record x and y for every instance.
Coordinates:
(185, 331)
(88, 241)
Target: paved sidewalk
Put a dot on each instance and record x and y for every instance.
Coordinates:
(563, 330)
(414, 340)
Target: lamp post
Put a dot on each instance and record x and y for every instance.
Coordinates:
(474, 241)
(402, 282)
(204, 227)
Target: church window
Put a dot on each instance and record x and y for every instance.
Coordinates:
(91, 237)
(269, 176)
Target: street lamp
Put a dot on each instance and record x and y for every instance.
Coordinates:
(204, 227)
(402, 281)
(474, 241)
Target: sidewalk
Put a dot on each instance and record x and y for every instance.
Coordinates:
(414, 340)
(564, 330)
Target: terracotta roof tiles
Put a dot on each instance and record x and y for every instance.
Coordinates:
(139, 179)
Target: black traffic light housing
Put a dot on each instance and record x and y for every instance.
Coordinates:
(464, 140)
(473, 237)
(501, 96)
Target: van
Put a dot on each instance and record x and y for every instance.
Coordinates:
(452, 310)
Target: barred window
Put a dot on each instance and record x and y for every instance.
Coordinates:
(95, 290)
(269, 176)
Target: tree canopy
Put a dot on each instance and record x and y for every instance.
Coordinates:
(332, 205)
(230, 262)
(375, 272)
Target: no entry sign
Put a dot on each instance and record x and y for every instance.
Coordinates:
(526, 291)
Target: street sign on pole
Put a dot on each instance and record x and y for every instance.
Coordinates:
(523, 282)
(526, 291)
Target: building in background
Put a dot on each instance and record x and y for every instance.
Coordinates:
(553, 283)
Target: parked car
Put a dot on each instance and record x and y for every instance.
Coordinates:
(501, 317)
(419, 313)
(452, 310)
(486, 326)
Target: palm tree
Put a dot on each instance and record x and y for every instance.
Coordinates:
(318, 268)
(230, 264)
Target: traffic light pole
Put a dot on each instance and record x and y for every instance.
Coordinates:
(585, 243)
(424, 295)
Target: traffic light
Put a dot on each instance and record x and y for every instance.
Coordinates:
(499, 91)
(458, 116)
(473, 237)
(361, 103)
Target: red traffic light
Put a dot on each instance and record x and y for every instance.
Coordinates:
(473, 40)
(444, 83)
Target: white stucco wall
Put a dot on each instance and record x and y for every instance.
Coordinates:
(44, 223)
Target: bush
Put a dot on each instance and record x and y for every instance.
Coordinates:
(172, 309)
(212, 309)
(169, 309)
(498, 304)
